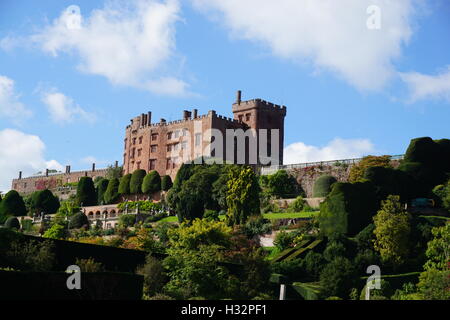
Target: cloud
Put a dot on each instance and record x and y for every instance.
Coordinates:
(337, 149)
(128, 43)
(10, 106)
(424, 86)
(332, 35)
(21, 152)
(63, 109)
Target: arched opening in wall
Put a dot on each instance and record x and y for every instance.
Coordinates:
(112, 214)
(90, 215)
(105, 214)
(97, 215)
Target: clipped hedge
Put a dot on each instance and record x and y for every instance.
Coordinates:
(322, 186)
(306, 290)
(20, 285)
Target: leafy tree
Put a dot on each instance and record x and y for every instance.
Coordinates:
(283, 185)
(112, 191)
(127, 220)
(12, 205)
(385, 291)
(154, 277)
(313, 264)
(124, 185)
(297, 205)
(358, 170)
(136, 181)
(151, 183)
(113, 172)
(242, 195)
(78, 220)
(166, 183)
(338, 278)
(333, 250)
(44, 201)
(12, 222)
(438, 251)
(31, 256)
(392, 230)
(56, 231)
(86, 195)
(434, 284)
(322, 186)
(101, 189)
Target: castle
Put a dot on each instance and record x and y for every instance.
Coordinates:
(257, 126)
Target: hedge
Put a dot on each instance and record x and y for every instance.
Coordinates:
(396, 281)
(307, 290)
(322, 186)
(20, 285)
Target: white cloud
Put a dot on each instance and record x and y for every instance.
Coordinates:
(337, 149)
(126, 43)
(424, 86)
(331, 34)
(89, 160)
(21, 152)
(10, 106)
(63, 109)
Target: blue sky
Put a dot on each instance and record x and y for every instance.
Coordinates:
(70, 81)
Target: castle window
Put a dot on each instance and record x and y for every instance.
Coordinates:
(169, 147)
(25, 185)
(140, 140)
(177, 134)
(184, 145)
(169, 135)
(154, 136)
(241, 118)
(152, 164)
(138, 165)
(134, 140)
(139, 152)
(175, 147)
(174, 162)
(168, 163)
(198, 137)
(247, 117)
(185, 131)
(132, 152)
(154, 148)
(125, 142)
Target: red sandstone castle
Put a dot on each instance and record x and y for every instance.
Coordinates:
(163, 146)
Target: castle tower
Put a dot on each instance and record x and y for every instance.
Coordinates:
(261, 114)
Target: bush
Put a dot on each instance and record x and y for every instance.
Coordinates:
(385, 291)
(333, 250)
(322, 186)
(86, 195)
(313, 264)
(112, 191)
(151, 183)
(283, 185)
(166, 183)
(153, 273)
(12, 204)
(56, 231)
(127, 220)
(31, 256)
(101, 190)
(434, 284)
(44, 201)
(358, 170)
(89, 265)
(211, 215)
(338, 278)
(136, 181)
(257, 226)
(124, 185)
(297, 205)
(78, 220)
(12, 222)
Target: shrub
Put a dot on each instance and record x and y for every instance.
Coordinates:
(124, 185)
(257, 226)
(297, 205)
(136, 181)
(151, 183)
(153, 273)
(89, 265)
(166, 183)
(44, 201)
(112, 191)
(313, 264)
(12, 222)
(284, 240)
(283, 185)
(385, 291)
(12, 204)
(338, 278)
(86, 195)
(31, 256)
(434, 284)
(322, 186)
(101, 190)
(333, 250)
(78, 220)
(56, 231)
(127, 220)
(211, 215)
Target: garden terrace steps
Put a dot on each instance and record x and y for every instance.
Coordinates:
(286, 253)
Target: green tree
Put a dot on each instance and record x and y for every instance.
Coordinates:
(338, 278)
(154, 277)
(78, 220)
(322, 186)
(136, 181)
(101, 189)
(242, 195)
(438, 251)
(166, 183)
(392, 231)
(283, 185)
(86, 195)
(151, 183)
(12, 223)
(357, 171)
(434, 284)
(124, 185)
(112, 191)
(12, 205)
(113, 172)
(44, 201)
(56, 231)
(127, 220)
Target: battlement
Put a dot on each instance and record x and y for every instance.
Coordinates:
(256, 103)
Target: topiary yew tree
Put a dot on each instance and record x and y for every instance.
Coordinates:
(151, 183)
(12, 205)
(101, 189)
(86, 194)
(136, 181)
(44, 201)
(358, 170)
(166, 183)
(322, 186)
(78, 220)
(112, 191)
(124, 185)
(12, 222)
(283, 185)
(348, 208)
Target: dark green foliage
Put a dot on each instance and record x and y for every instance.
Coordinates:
(211, 215)
(184, 173)
(127, 220)
(44, 201)
(154, 276)
(124, 185)
(112, 191)
(348, 208)
(78, 220)
(136, 181)
(365, 258)
(283, 240)
(322, 186)
(333, 250)
(151, 183)
(282, 185)
(257, 226)
(86, 195)
(12, 222)
(30, 256)
(313, 264)
(113, 172)
(338, 278)
(166, 183)
(292, 269)
(12, 205)
(385, 291)
(365, 238)
(101, 189)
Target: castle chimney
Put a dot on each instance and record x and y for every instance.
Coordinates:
(93, 167)
(116, 164)
(46, 172)
(68, 169)
(142, 120)
(186, 115)
(20, 175)
(195, 112)
(149, 118)
(162, 120)
(238, 97)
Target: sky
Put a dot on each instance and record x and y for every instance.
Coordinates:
(358, 77)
